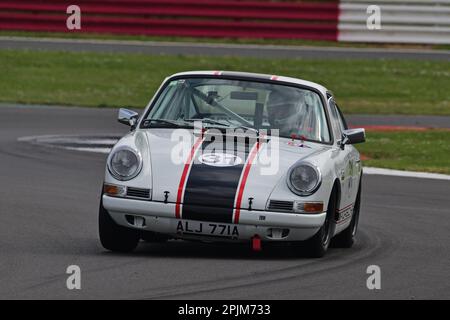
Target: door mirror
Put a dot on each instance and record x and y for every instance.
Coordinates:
(352, 136)
(128, 117)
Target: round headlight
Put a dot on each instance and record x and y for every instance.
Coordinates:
(304, 179)
(124, 164)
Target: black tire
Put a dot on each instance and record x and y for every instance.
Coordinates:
(346, 238)
(114, 237)
(317, 246)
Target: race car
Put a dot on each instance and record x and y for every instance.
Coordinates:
(234, 157)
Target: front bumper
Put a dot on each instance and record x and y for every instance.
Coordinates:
(160, 217)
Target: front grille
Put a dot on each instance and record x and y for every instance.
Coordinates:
(279, 205)
(138, 193)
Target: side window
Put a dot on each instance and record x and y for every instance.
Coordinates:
(342, 119)
(335, 119)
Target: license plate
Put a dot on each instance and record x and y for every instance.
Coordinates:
(208, 229)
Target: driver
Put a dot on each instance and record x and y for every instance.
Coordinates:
(285, 111)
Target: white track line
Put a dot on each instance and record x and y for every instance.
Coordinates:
(408, 174)
(83, 149)
(78, 143)
(82, 141)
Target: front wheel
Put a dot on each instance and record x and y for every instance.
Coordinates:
(317, 246)
(346, 238)
(114, 237)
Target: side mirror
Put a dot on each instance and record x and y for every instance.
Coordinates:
(352, 136)
(128, 117)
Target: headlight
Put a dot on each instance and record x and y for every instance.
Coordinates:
(124, 163)
(304, 179)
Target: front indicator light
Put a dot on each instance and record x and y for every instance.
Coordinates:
(308, 207)
(114, 191)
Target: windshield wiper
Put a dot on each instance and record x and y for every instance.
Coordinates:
(208, 120)
(229, 124)
(247, 128)
(171, 123)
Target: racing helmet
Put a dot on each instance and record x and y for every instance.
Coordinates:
(284, 110)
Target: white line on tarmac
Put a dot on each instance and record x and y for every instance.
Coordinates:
(95, 150)
(408, 174)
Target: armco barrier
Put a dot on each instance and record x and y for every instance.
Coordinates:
(402, 21)
(188, 8)
(198, 18)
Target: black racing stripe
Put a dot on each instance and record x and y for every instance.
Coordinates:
(210, 190)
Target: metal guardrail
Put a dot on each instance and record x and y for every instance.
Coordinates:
(402, 21)
(198, 18)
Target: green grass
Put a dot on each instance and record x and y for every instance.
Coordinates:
(259, 41)
(427, 151)
(101, 79)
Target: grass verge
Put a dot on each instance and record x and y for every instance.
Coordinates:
(426, 151)
(105, 79)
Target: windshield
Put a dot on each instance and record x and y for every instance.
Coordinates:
(245, 104)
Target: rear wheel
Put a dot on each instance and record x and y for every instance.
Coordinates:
(346, 238)
(317, 246)
(114, 237)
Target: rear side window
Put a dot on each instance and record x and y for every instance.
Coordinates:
(336, 121)
(342, 121)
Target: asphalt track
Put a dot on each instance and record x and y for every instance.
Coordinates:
(189, 48)
(48, 221)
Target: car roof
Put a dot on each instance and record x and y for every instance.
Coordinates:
(250, 75)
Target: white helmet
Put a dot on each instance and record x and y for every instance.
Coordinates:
(284, 110)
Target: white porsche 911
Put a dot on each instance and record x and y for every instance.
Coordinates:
(237, 157)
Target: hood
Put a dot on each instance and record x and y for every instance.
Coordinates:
(214, 177)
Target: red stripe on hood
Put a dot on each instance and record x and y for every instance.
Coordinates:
(241, 188)
(187, 166)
